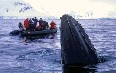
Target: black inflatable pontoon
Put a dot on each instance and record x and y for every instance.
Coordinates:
(33, 33)
(76, 47)
(38, 33)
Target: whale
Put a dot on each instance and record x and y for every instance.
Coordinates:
(76, 47)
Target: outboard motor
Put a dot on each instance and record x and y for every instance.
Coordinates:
(76, 47)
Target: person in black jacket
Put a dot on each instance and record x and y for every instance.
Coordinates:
(31, 24)
(41, 24)
(21, 27)
(46, 26)
(35, 20)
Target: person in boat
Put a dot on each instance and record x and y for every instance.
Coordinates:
(52, 25)
(26, 24)
(35, 20)
(21, 27)
(46, 25)
(41, 25)
(31, 24)
(37, 27)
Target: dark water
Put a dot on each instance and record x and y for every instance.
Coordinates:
(43, 55)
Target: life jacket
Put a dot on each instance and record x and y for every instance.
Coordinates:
(52, 25)
(26, 23)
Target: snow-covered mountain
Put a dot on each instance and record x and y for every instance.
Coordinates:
(17, 9)
(20, 9)
(82, 15)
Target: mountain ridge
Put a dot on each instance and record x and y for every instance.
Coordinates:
(17, 9)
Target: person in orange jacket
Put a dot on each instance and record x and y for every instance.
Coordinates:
(52, 25)
(26, 24)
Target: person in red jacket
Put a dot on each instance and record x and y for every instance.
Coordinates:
(26, 24)
(52, 25)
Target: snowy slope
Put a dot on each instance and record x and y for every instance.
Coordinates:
(17, 8)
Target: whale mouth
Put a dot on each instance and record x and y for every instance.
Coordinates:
(76, 47)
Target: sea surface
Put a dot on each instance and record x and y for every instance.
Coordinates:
(43, 55)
